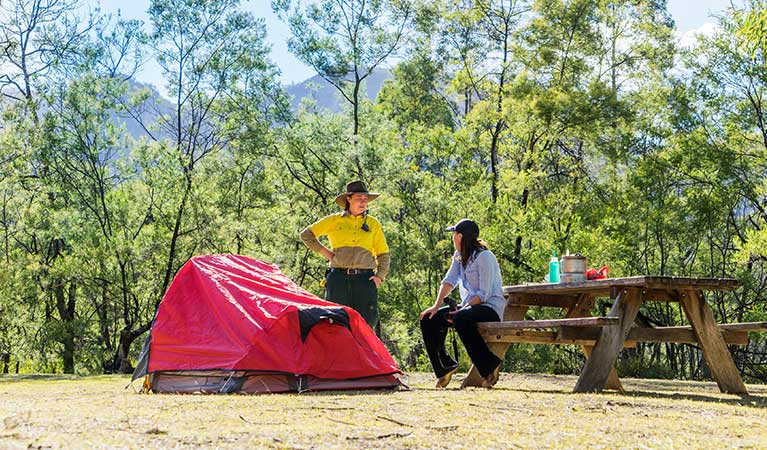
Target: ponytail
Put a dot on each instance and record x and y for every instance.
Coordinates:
(470, 244)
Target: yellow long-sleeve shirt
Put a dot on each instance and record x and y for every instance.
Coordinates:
(354, 247)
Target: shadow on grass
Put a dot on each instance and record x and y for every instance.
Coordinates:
(750, 400)
(352, 393)
(6, 378)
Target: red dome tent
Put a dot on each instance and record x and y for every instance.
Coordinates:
(231, 323)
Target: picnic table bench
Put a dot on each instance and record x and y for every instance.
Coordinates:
(602, 338)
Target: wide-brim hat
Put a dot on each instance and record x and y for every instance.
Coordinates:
(355, 187)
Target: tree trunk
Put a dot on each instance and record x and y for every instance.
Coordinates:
(518, 240)
(169, 269)
(356, 107)
(121, 361)
(6, 230)
(66, 309)
(356, 104)
(494, 161)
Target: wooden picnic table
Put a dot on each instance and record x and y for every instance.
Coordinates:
(602, 338)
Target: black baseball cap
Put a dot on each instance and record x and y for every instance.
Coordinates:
(465, 226)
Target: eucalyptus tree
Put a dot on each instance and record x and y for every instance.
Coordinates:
(498, 22)
(720, 156)
(416, 96)
(87, 152)
(202, 49)
(739, 101)
(344, 41)
(257, 109)
(513, 60)
(36, 38)
(207, 52)
(559, 110)
(40, 42)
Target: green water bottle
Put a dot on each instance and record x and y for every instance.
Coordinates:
(554, 268)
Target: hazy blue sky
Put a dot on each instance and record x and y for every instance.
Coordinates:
(689, 15)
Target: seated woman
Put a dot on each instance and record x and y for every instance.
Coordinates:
(477, 271)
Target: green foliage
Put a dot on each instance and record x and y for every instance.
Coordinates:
(414, 97)
(752, 26)
(556, 125)
(344, 42)
(639, 367)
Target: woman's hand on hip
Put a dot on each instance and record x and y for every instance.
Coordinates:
(430, 312)
(376, 280)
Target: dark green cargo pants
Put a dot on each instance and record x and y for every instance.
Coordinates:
(357, 291)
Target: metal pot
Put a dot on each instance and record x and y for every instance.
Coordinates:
(573, 264)
(571, 277)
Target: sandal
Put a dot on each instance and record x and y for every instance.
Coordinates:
(490, 380)
(444, 380)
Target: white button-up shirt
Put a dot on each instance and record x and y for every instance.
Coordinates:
(480, 278)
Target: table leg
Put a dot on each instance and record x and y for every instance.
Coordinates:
(473, 378)
(582, 308)
(613, 382)
(597, 369)
(712, 343)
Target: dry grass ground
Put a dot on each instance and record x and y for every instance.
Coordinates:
(523, 411)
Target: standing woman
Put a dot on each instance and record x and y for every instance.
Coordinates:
(358, 254)
(475, 268)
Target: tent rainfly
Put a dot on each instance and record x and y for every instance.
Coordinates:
(230, 323)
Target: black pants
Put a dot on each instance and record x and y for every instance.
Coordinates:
(434, 331)
(356, 291)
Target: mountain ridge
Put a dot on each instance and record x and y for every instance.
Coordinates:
(325, 97)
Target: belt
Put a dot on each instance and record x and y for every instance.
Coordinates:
(351, 271)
